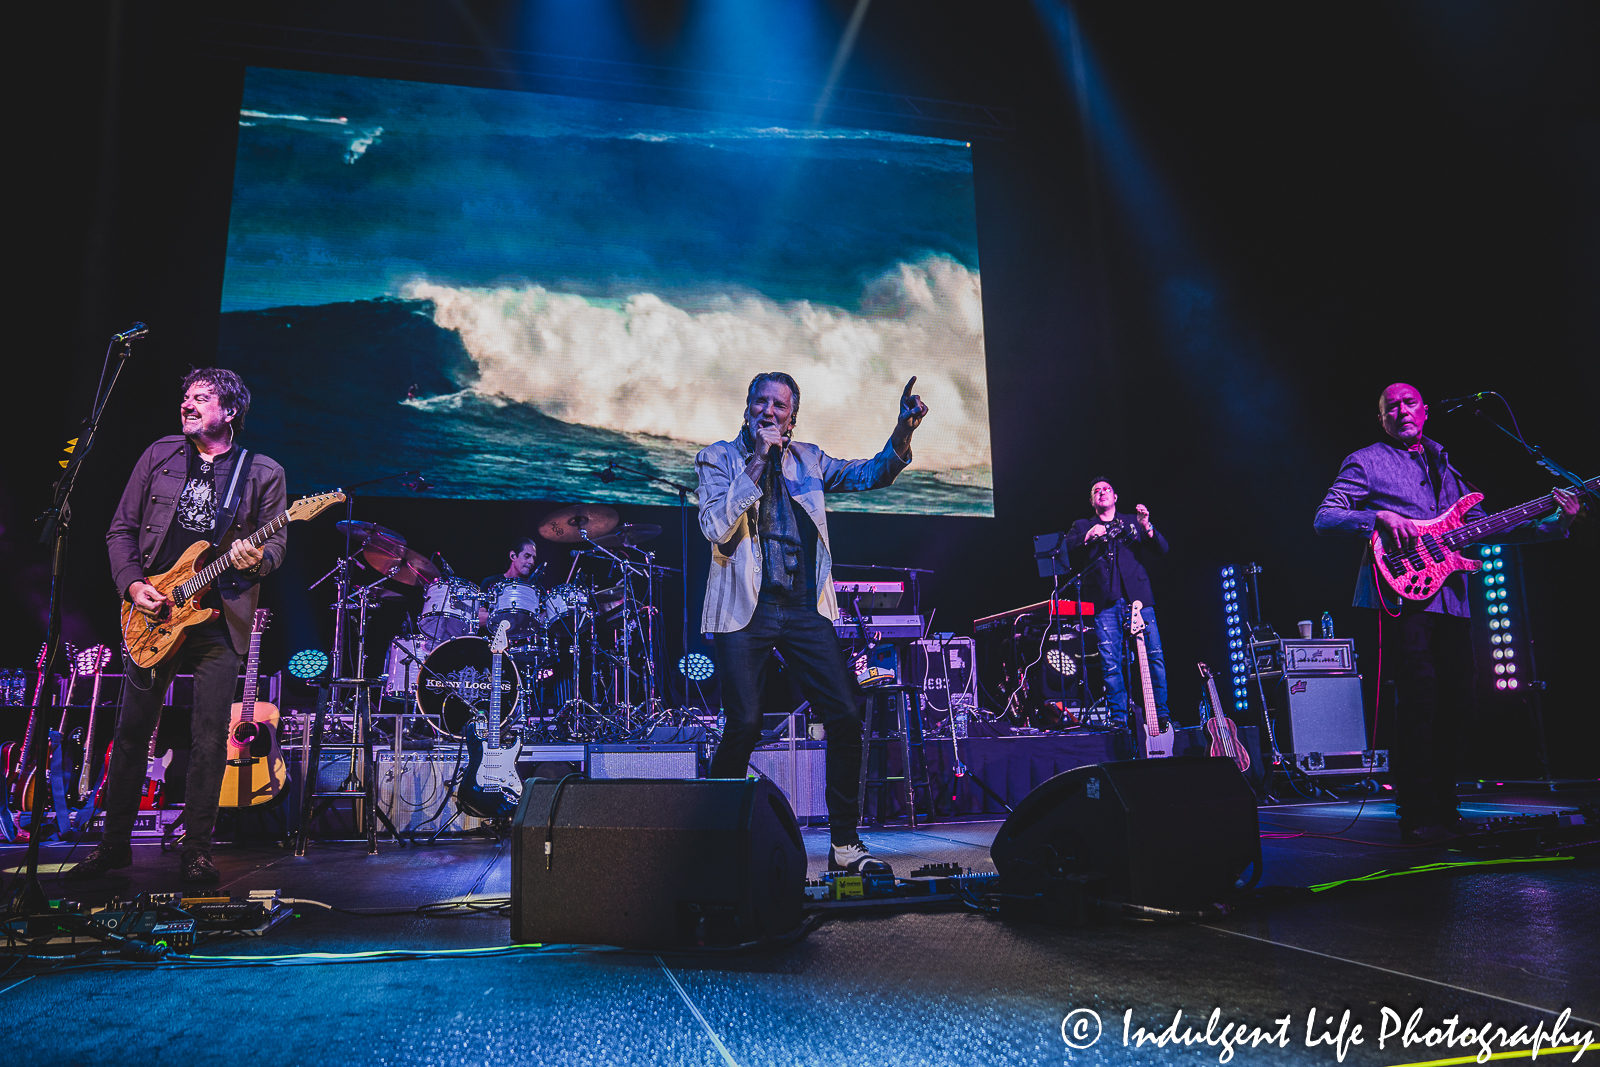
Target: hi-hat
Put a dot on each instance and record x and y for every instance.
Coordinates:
(367, 531)
(636, 533)
(571, 523)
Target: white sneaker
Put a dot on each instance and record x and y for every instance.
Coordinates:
(856, 859)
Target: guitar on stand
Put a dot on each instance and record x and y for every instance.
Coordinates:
(90, 790)
(14, 756)
(490, 787)
(153, 638)
(1420, 572)
(1224, 734)
(1154, 741)
(255, 772)
(153, 795)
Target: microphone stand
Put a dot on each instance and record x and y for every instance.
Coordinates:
(683, 492)
(27, 897)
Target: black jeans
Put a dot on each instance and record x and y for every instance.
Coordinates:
(810, 649)
(209, 655)
(1429, 656)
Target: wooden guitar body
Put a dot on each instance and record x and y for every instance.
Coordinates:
(1224, 734)
(153, 638)
(1154, 742)
(256, 771)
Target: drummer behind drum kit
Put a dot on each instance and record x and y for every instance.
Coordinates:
(580, 662)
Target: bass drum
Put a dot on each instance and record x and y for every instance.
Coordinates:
(457, 683)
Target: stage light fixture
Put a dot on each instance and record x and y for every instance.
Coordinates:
(697, 667)
(308, 663)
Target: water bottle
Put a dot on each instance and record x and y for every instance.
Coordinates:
(1327, 624)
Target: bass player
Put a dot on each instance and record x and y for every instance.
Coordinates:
(193, 486)
(1427, 644)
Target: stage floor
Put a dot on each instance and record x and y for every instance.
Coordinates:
(1504, 944)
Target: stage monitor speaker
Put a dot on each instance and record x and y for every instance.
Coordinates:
(640, 863)
(1170, 832)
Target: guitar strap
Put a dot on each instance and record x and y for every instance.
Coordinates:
(230, 502)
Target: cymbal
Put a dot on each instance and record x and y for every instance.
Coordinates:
(409, 567)
(367, 531)
(570, 523)
(636, 533)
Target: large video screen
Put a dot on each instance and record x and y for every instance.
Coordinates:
(510, 291)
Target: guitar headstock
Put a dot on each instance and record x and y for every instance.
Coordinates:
(93, 660)
(1136, 618)
(501, 639)
(311, 506)
(44, 654)
(259, 622)
(1205, 672)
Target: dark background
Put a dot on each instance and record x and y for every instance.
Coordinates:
(1198, 294)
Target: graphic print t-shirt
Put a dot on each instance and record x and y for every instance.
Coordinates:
(195, 517)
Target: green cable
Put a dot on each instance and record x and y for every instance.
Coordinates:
(1378, 876)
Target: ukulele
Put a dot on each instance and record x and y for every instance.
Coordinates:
(1154, 742)
(255, 772)
(1224, 734)
(491, 787)
(155, 637)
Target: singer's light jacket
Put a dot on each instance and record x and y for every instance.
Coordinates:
(728, 515)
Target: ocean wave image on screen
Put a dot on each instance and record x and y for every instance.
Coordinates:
(511, 290)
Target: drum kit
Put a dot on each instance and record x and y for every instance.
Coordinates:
(581, 662)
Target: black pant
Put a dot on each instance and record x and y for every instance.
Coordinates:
(810, 649)
(1429, 657)
(210, 656)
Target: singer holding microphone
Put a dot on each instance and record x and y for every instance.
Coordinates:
(1112, 549)
(771, 584)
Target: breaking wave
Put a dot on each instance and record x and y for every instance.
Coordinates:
(642, 365)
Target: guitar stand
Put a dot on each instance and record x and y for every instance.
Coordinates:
(366, 790)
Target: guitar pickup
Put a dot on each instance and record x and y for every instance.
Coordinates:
(244, 761)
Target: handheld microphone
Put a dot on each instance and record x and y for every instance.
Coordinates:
(132, 333)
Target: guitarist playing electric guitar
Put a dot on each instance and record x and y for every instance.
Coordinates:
(200, 485)
(1399, 489)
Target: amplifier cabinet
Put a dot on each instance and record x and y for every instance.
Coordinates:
(644, 761)
(946, 672)
(1319, 719)
(809, 800)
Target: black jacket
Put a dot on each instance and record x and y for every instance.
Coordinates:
(1117, 572)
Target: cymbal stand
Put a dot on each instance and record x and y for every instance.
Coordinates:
(625, 687)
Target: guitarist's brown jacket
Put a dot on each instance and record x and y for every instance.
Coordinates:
(149, 503)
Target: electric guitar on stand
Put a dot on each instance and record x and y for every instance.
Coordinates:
(153, 638)
(256, 772)
(13, 757)
(1154, 741)
(490, 787)
(1419, 572)
(153, 794)
(1224, 734)
(91, 785)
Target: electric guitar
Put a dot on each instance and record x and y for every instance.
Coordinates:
(1419, 572)
(153, 793)
(490, 787)
(153, 638)
(96, 659)
(1224, 734)
(54, 755)
(13, 756)
(256, 771)
(1154, 742)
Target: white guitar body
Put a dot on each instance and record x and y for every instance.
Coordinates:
(1153, 741)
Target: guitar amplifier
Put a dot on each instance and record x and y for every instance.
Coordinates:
(412, 787)
(806, 766)
(1318, 721)
(644, 761)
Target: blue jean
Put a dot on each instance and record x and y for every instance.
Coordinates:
(1109, 626)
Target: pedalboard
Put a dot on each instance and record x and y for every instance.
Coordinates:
(175, 920)
(929, 883)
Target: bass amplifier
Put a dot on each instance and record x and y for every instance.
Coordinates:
(946, 672)
(1318, 722)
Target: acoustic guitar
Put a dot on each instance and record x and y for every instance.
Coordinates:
(96, 660)
(1224, 734)
(1154, 740)
(256, 772)
(154, 637)
(1419, 572)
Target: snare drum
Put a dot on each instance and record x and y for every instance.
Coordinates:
(404, 664)
(449, 609)
(562, 600)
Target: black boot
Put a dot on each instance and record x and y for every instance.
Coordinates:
(194, 865)
(105, 857)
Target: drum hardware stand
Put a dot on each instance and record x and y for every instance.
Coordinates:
(362, 787)
(683, 492)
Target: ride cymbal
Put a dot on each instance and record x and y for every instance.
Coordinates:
(636, 533)
(570, 523)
